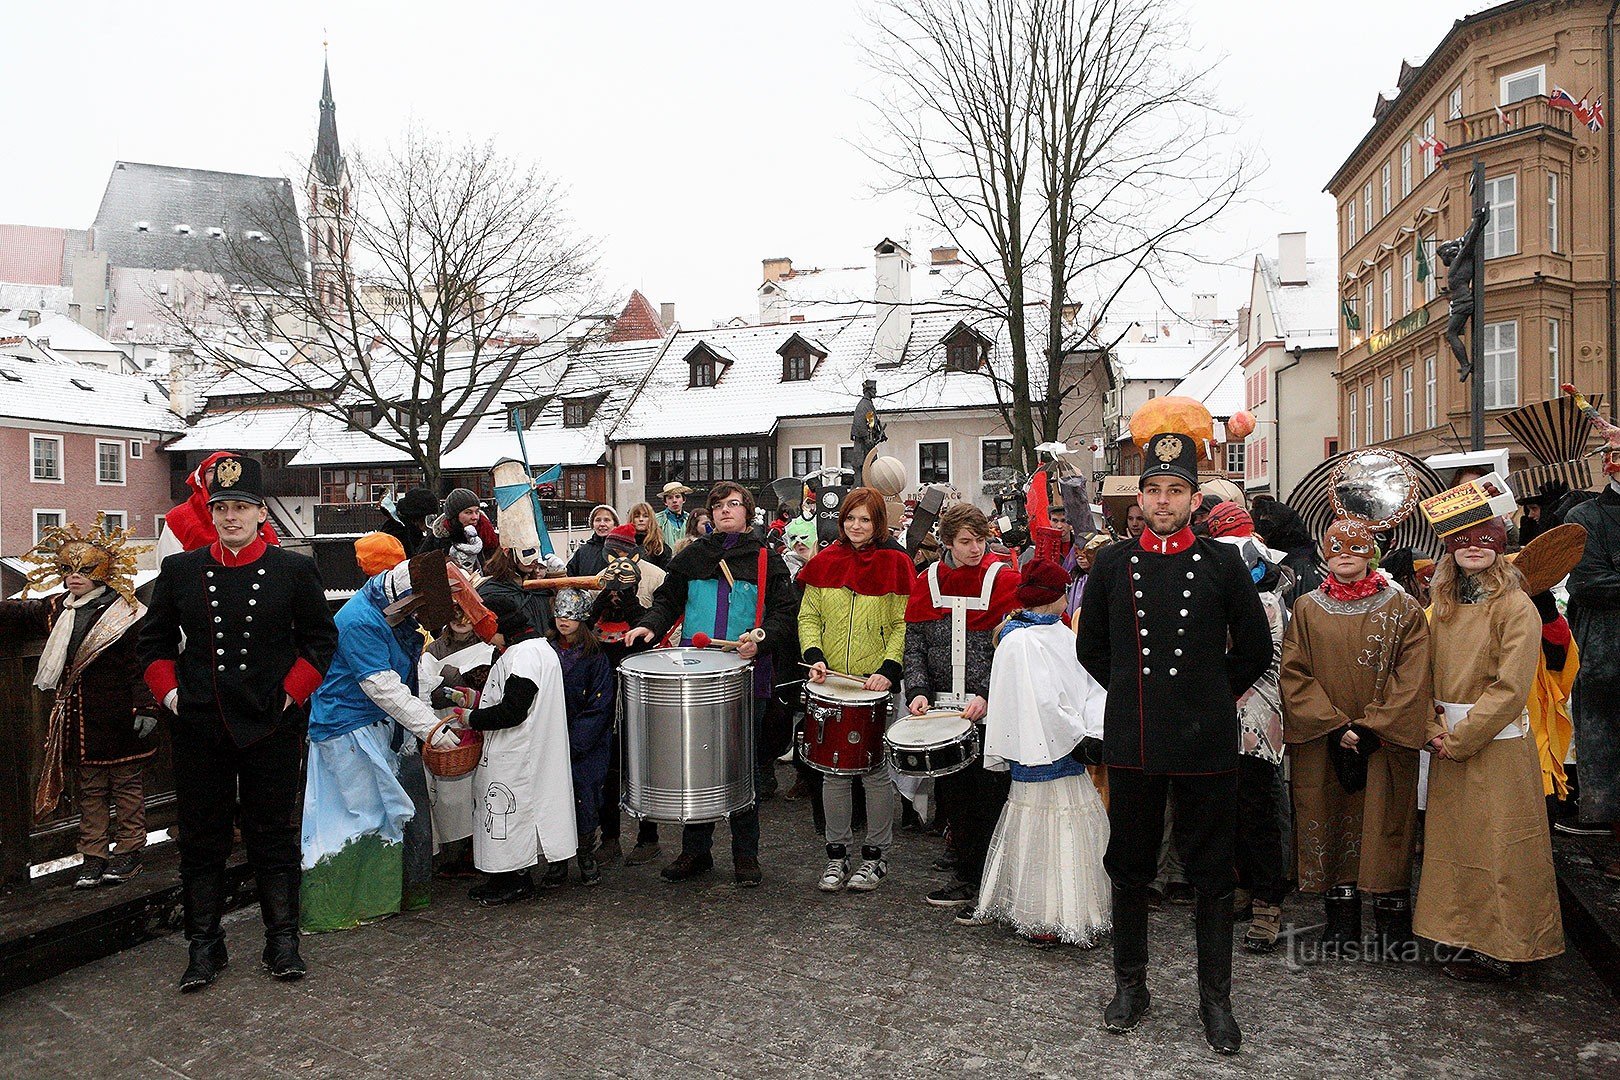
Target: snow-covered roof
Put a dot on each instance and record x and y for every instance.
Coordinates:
(1217, 379)
(1309, 310)
(57, 333)
(750, 395)
(77, 394)
(1162, 360)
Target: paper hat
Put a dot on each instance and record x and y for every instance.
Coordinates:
(1555, 432)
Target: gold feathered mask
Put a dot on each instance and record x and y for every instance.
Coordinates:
(103, 554)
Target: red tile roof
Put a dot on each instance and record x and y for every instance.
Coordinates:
(638, 321)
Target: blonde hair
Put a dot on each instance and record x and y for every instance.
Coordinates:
(1496, 579)
(654, 541)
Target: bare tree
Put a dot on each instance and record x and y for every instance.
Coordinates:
(444, 245)
(1068, 149)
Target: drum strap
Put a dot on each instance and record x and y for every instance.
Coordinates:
(960, 606)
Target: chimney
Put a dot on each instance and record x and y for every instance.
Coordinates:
(893, 298)
(31, 317)
(777, 269)
(944, 256)
(1291, 258)
(1203, 307)
(1243, 324)
(666, 315)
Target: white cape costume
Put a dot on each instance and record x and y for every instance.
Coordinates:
(1035, 719)
(523, 787)
(452, 800)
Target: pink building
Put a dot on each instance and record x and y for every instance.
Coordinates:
(75, 441)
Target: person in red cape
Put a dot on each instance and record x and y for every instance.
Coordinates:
(190, 525)
(852, 618)
(955, 607)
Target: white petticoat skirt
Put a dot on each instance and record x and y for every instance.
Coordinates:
(1044, 871)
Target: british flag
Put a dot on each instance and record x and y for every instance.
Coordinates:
(1595, 119)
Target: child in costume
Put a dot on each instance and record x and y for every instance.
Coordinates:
(589, 691)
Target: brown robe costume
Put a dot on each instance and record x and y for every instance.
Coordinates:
(1488, 879)
(1364, 662)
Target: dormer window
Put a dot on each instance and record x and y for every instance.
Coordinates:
(800, 355)
(578, 413)
(965, 349)
(706, 365)
(363, 417)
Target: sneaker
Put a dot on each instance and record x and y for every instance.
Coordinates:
(510, 888)
(1264, 927)
(608, 853)
(686, 867)
(746, 872)
(123, 866)
(91, 872)
(643, 853)
(943, 865)
(869, 875)
(556, 875)
(835, 876)
(973, 915)
(1470, 966)
(954, 895)
(1575, 828)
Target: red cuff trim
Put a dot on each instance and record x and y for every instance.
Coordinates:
(1556, 632)
(301, 681)
(161, 678)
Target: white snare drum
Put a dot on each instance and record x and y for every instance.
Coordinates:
(925, 746)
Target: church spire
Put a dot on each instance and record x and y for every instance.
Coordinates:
(328, 154)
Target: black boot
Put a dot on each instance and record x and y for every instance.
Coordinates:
(1130, 961)
(508, 888)
(1342, 906)
(278, 904)
(589, 872)
(203, 897)
(1212, 922)
(556, 875)
(1392, 916)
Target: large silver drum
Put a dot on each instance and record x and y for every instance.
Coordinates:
(687, 734)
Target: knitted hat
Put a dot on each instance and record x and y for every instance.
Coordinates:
(378, 551)
(1490, 533)
(572, 604)
(1229, 519)
(623, 538)
(1349, 536)
(1042, 582)
(614, 514)
(458, 500)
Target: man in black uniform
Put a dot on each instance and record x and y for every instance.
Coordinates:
(237, 637)
(1172, 625)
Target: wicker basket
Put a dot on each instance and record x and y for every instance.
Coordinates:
(457, 760)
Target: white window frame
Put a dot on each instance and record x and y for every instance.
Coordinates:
(1428, 146)
(1350, 223)
(1431, 284)
(1454, 104)
(982, 440)
(851, 448)
(1406, 400)
(1554, 240)
(817, 447)
(1367, 414)
(627, 474)
(61, 519)
(1355, 421)
(1237, 451)
(1501, 390)
(1555, 357)
(1388, 388)
(1387, 278)
(61, 460)
(950, 458)
(123, 472)
(1502, 231)
(121, 515)
(1431, 406)
(1540, 74)
(1408, 269)
(1406, 168)
(1367, 206)
(137, 449)
(1384, 186)
(1368, 324)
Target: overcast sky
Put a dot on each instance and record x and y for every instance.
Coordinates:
(696, 137)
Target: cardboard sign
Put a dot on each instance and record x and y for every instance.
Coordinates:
(1469, 504)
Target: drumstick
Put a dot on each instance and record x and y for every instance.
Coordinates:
(563, 583)
(726, 571)
(837, 674)
(701, 640)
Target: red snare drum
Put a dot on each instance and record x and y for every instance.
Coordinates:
(843, 727)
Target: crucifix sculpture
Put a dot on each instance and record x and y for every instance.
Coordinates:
(1462, 258)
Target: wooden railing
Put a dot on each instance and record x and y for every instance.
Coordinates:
(1520, 116)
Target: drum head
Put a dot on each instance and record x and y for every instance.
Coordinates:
(681, 662)
(840, 690)
(921, 731)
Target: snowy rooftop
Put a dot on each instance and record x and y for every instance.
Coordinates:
(44, 390)
(1217, 378)
(1310, 310)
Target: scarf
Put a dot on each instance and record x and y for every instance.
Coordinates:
(53, 661)
(878, 569)
(1470, 590)
(1355, 590)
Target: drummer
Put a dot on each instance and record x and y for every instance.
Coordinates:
(954, 609)
(852, 619)
(712, 587)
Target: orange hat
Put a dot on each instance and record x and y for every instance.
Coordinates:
(378, 551)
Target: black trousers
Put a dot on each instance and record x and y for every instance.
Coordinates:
(1204, 832)
(971, 801)
(647, 832)
(211, 773)
(1262, 860)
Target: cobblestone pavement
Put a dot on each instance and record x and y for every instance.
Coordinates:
(640, 978)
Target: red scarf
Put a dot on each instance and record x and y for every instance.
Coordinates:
(869, 571)
(1356, 590)
(965, 581)
(192, 522)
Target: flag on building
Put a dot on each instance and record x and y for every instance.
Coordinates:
(1506, 120)
(1595, 119)
(1423, 270)
(1352, 321)
(1432, 144)
(1560, 99)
